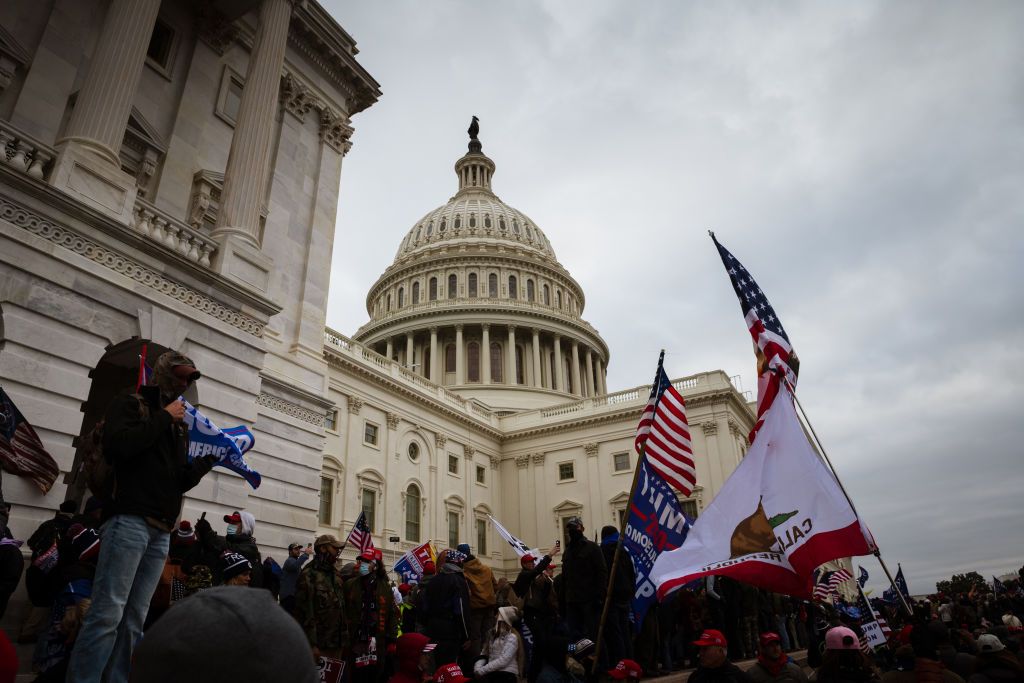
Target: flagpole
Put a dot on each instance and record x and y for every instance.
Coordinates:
(824, 455)
(622, 532)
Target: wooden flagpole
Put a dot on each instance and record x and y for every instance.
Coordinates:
(824, 455)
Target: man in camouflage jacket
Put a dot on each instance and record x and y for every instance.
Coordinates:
(320, 601)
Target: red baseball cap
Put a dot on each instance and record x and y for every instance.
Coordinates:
(233, 518)
(711, 637)
(770, 637)
(378, 554)
(368, 555)
(449, 673)
(626, 668)
(527, 558)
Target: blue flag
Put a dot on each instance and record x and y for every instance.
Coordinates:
(862, 576)
(889, 595)
(656, 523)
(997, 587)
(227, 446)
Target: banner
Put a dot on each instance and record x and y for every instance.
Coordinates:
(517, 545)
(873, 633)
(410, 565)
(227, 446)
(330, 670)
(656, 523)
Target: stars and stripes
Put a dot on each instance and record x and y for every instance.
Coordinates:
(21, 451)
(663, 434)
(360, 535)
(775, 356)
(830, 582)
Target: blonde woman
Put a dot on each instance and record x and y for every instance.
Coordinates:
(503, 655)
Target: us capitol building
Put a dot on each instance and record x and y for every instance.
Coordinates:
(170, 178)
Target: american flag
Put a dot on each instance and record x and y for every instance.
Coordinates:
(829, 582)
(664, 434)
(775, 355)
(360, 535)
(21, 451)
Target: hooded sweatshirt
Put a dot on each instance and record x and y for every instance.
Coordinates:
(407, 653)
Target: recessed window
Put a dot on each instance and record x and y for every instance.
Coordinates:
(369, 502)
(415, 293)
(481, 473)
(453, 286)
(443, 226)
(161, 46)
(487, 220)
(414, 452)
(331, 420)
(401, 296)
(432, 287)
(370, 434)
(566, 470)
(449, 358)
(621, 462)
(481, 537)
(326, 500)
(689, 508)
(472, 220)
(453, 529)
(513, 287)
(496, 362)
(530, 293)
(472, 285)
(547, 295)
(473, 357)
(492, 286)
(453, 464)
(229, 101)
(412, 513)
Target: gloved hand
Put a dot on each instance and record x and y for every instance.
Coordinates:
(203, 527)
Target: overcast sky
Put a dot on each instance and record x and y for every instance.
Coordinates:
(864, 160)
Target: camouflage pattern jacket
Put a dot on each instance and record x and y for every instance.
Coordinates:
(320, 605)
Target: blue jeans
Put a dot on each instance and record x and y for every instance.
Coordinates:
(132, 556)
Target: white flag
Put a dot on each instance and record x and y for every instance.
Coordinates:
(517, 545)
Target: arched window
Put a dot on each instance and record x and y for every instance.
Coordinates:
(519, 365)
(547, 295)
(412, 513)
(389, 303)
(449, 358)
(458, 221)
(430, 228)
(513, 287)
(558, 298)
(473, 358)
(415, 293)
(472, 285)
(496, 364)
(433, 289)
(501, 223)
(401, 296)
(443, 226)
(492, 286)
(453, 286)
(487, 220)
(472, 220)
(418, 230)
(515, 226)
(530, 293)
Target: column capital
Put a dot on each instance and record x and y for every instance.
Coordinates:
(710, 428)
(485, 326)
(511, 329)
(298, 99)
(590, 448)
(393, 420)
(538, 458)
(536, 331)
(459, 327)
(432, 329)
(355, 404)
(522, 461)
(468, 451)
(440, 440)
(335, 130)
(495, 462)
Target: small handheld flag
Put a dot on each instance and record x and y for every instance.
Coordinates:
(360, 536)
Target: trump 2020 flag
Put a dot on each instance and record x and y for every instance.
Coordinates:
(656, 523)
(227, 446)
(410, 565)
(779, 515)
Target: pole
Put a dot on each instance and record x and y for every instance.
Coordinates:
(622, 532)
(824, 455)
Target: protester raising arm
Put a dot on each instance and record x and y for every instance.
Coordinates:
(528, 574)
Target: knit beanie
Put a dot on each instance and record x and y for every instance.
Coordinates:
(233, 564)
(184, 534)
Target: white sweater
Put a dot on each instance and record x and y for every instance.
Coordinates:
(502, 656)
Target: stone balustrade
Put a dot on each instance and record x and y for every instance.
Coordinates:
(24, 153)
(172, 233)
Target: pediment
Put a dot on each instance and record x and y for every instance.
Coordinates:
(12, 49)
(143, 130)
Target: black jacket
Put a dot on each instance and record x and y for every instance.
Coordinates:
(150, 457)
(624, 581)
(526, 576)
(586, 578)
(445, 603)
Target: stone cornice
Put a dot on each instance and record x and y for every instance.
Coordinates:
(314, 417)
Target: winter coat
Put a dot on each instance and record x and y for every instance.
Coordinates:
(385, 622)
(526, 576)
(290, 574)
(624, 581)
(245, 545)
(790, 673)
(482, 584)
(502, 655)
(407, 658)
(444, 605)
(320, 606)
(584, 572)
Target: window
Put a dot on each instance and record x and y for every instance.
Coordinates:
(547, 295)
(415, 293)
(558, 299)
(443, 226)
(515, 226)
(401, 296)
(519, 365)
(388, 308)
(473, 358)
(433, 289)
(621, 462)
(453, 464)
(370, 434)
(326, 500)
(331, 420)
(453, 529)
(453, 286)
(492, 286)
(487, 220)
(566, 471)
(161, 47)
(369, 507)
(481, 537)
(449, 358)
(496, 364)
(472, 284)
(472, 220)
(430, 228)
(530, 293)
(229, 101)
(513, 287)
(414, 452)
(481, 474)
(458, 221)
(412, 513)
(622, 516)
(689, 508)
(501, 223)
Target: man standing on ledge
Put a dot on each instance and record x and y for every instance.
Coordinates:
(147, 443)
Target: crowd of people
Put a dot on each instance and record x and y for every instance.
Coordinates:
(121, 590)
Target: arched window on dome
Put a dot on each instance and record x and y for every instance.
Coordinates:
(515, 226)
(389, 304)
(415, 293)
(453, 286)
(430, 228)
(513, 287)
(443, 226)
(492, 286)
(449, 358)
(458, 221)
(412, 513)
(419, 229)
(472, 220)
(401, 296)
(529, 230)
(530, 293)
(501, 223)
(432, 287)
(519, 365)
(472, 285)
(473, 362)
(425, 361)
(558, 298)
(547, 295)
(496, 365)
(487, 220)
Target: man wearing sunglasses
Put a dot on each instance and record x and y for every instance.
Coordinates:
(146, 441)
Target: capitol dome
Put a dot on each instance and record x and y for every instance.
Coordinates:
(476, 301)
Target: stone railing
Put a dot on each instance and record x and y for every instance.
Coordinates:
(173, 234)
(24, 153)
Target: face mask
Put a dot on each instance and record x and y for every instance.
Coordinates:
(575, 534)
(364, 569)
(232, 529)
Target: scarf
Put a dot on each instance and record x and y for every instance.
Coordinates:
(774, 666)
(370, 618)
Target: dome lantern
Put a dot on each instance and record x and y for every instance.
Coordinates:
(475, 168)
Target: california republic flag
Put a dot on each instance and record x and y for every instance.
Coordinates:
(779, 515)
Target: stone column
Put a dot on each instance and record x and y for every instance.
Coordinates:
(434, 377)
(574, 359)
(390, 349)
(408, 350)
(245, 178)
(559, 373)
(537, 376)
(590, 372)
(602, 387)
(460, 357)
(88, 165)
(511, 379)
(485, 355)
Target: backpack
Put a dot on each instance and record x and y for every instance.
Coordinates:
(96, 466)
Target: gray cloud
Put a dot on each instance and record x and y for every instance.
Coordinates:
(864, 160)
